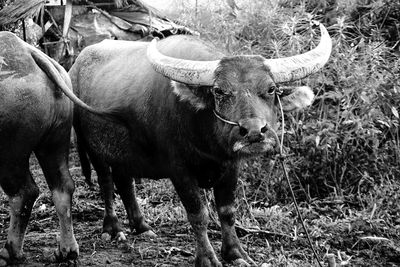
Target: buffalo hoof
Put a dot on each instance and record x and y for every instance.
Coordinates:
(247, 261)
(67, 254)
(207, 261)
(149, 234)
(120, 236)
(142, 228)
(242, 263)
(237, 256)
(105, 236)
(6, 258)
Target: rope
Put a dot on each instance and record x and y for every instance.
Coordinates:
(282, 161)
(219, 116)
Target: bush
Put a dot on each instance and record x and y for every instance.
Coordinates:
(351, 132)
(347, 142)
(378, 20)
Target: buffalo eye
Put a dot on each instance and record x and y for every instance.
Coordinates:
(221, 94)
(218, 91)
(272, 90)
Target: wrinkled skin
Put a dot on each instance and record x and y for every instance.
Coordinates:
(168, 129)
(34, 117)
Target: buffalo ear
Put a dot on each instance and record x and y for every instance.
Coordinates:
(296, 98)
(186, 93)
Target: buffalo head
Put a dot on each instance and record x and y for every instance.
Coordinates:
(242, 91)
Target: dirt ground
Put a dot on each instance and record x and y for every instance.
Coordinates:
(174, 244)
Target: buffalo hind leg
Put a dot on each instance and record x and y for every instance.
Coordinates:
(81, 148)
(85, 163)
(197, 214)
(22, 191)
(111, 226)
(53, 160)
(127, 192)
(224, 193)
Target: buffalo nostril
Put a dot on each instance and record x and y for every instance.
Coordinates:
(243, 131)
(264, 129)
(256, 137)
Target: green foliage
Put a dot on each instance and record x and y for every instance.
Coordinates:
(350, 135)
(378, 19)
(347, 143)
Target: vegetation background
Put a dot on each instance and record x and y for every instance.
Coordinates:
(344, 150)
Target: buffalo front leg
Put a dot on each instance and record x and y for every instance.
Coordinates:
(197, 214)
(224, 193)
(22, 192)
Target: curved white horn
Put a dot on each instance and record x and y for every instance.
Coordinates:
(299, 66)
(182, 70)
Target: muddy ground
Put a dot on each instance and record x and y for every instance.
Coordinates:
(173, 246)
(353, 241)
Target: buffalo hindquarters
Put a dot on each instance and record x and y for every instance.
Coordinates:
(34, 117)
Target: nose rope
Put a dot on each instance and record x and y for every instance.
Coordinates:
(279, 148)
(282, 160)
(219, 116)
(283, 125)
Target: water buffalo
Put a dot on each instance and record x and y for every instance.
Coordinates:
(35, 116)
(188, 112)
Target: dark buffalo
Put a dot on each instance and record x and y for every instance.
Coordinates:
(187, 112)
(35, 116)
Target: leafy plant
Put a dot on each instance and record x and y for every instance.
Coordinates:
(348, 141)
